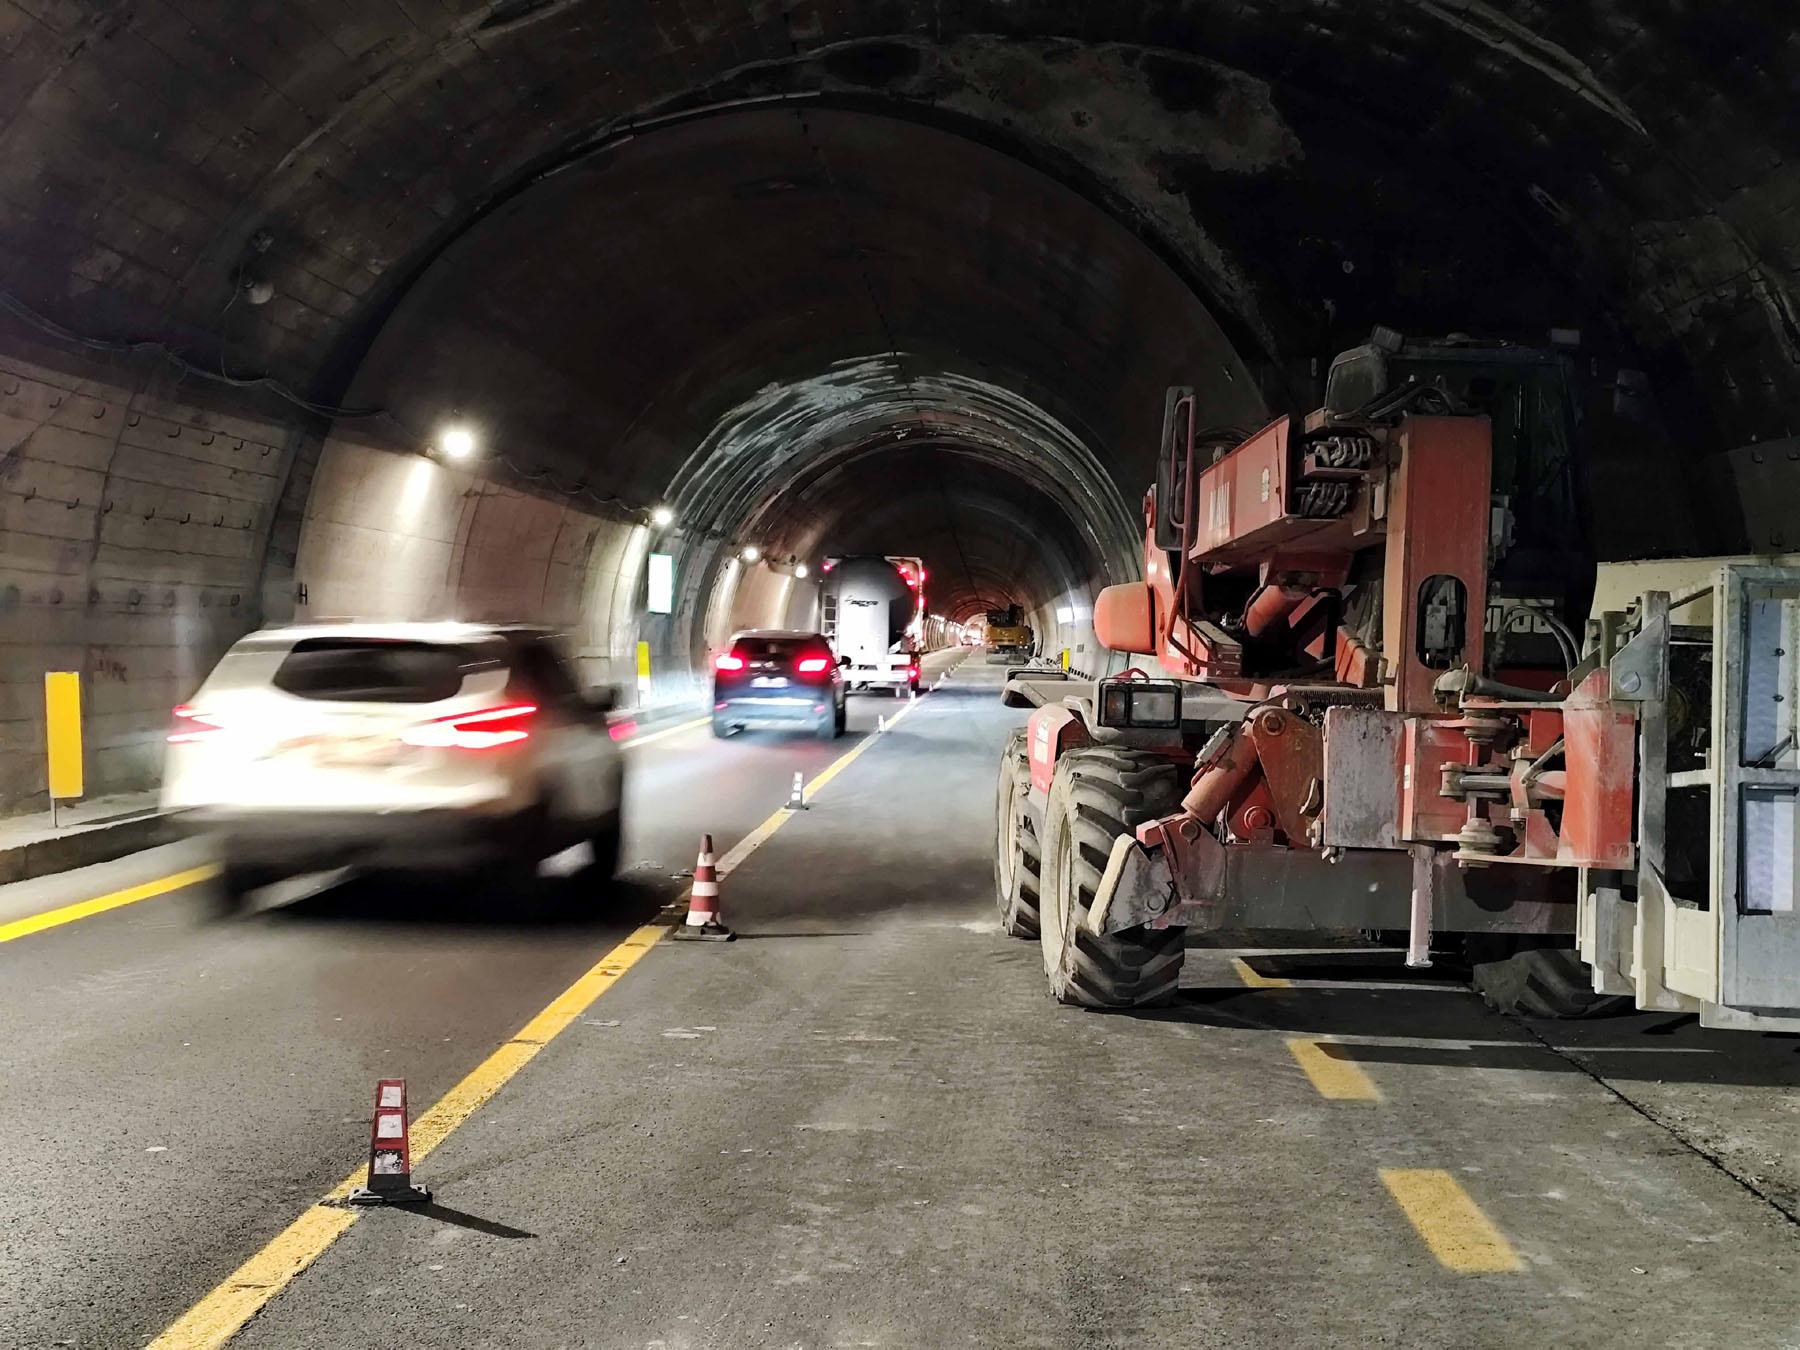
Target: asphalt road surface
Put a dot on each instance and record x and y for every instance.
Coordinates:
(863, 1124)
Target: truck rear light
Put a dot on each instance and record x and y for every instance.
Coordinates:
(729, 661)
(814, 665)
(193, 725)
(482, 730)
(912, 672)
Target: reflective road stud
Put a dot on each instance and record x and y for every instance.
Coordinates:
(702, 922)
(390, 1153)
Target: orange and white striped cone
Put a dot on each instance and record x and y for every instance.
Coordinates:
(702, 923)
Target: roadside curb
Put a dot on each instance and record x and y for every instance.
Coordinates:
(83, 845)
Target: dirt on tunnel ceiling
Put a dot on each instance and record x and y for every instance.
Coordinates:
(1626, 158)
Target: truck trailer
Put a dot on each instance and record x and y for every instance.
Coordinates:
(1374, 689)
(873, 611)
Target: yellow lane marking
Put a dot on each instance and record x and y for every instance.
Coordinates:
(1255, 981)
(1339, 1079)
(1461, 1237)
(848, 758)
(217, 1317)
(81, 909)
(633, 742)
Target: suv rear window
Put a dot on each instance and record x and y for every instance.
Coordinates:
(776, 649)
(371, 670)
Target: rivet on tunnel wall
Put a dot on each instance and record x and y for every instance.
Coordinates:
(99, 411)
(134, 419)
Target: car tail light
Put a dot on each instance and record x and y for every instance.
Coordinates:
(814, 665)
(729, 661)
(622, 730)
(476, 730)
(193, 725)
(912, 672)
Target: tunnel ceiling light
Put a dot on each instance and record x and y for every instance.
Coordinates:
(800, 571)
(751, 553)
(456, 442)
(662, 517)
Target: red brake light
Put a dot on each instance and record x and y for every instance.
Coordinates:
(729, 661)
(193, 725)
(814, 665)
(474, 731)
(622, 730)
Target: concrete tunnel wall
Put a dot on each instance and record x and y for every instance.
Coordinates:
(134, 521)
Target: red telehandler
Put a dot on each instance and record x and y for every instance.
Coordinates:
(1379, 702)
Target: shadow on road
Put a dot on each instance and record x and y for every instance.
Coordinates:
(1452, 1028)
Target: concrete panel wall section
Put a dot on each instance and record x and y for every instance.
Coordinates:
(132, 529)
(402, 536)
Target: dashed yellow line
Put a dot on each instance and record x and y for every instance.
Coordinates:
(81, 909)
(1462, 1238)
(216, 1318)
(1335, 1077)
(1256, 981)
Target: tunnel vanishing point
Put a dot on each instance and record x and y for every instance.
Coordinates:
(814, 280)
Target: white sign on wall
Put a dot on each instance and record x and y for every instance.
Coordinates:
(662, 584)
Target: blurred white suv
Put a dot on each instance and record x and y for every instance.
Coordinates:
(417, 747)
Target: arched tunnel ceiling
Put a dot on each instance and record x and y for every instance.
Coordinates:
(986, 535)
(1306, 167)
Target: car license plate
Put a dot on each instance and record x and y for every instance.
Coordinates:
(361, 751)
(769, 682)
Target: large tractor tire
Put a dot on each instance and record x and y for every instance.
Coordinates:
(1526, 975)
(1015, 845)
(1096, 796)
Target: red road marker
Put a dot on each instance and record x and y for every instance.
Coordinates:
(390, 1152)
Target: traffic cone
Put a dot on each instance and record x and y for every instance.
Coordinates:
(702, 923)
(390, 1152)
(797, 796)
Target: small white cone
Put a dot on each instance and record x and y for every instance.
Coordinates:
(797, 796)
(880, 723)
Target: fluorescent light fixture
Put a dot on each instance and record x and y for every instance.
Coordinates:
(751, 553)
(456, 442)
(1064, 614)
(662, 517)
(661, 599)
(800, 571)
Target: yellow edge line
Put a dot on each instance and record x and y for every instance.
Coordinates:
(81, 909)
(217, 1317)
(1255, 981)
(633, 742)
(1339, 1079)
(1461, 1237)
(848, 758)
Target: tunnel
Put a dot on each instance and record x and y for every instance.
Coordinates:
(813, 280)
(462, 884)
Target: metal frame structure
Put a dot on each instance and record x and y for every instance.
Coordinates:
(1318, 598)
